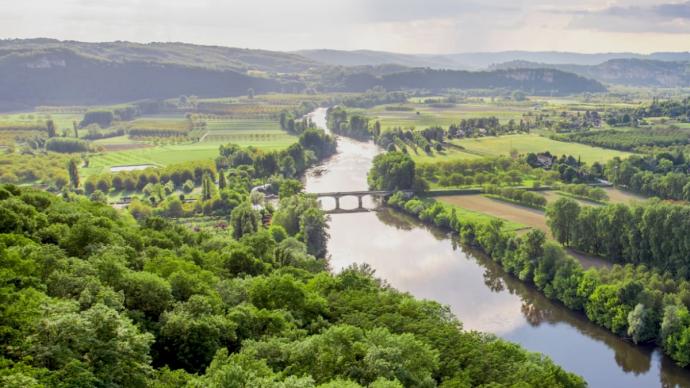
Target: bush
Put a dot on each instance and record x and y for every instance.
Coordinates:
(101, 117)
(188, 186)
(521, 196)
(66, 145)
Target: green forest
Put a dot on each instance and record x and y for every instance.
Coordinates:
(93, 297)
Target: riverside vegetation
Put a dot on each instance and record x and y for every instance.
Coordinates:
(645, 299)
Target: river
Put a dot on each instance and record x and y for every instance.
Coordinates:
(426, 262)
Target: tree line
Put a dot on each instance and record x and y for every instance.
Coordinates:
(293, 121)
(596, 194)
(340, 121)
(663, 175)
(678, 109)
(652, 233)
(520, 196)
(630, 140)
(370, 98)
(502, 171)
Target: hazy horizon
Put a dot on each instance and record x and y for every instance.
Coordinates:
(347, 50)
(402, 26)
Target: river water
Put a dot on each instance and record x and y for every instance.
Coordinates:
(426, 262)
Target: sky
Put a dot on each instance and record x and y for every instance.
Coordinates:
(407, 26)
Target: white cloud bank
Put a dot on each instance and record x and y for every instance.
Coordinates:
(415, 26)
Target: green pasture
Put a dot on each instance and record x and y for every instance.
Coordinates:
(477, 217)
(255, 132)
(243, 125)
(124, 139)
(160, 122)
(523, 143)
(575, 104)
(163, 155)
(61, 120)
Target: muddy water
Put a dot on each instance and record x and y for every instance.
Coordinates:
(427, 263)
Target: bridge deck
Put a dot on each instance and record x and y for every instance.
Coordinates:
(344, 193)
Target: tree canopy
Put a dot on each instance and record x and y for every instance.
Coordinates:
(92, 297)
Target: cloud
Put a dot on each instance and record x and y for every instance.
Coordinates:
(413, 26)
(670, 18)
(415, 10)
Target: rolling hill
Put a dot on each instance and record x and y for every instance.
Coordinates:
(50, 72)
(631, 71)
(534, 81)
(61, 76)
(476, 61)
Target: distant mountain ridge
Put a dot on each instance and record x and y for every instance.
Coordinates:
(534, 81)
(629, 71)
(475, 61)
(52, 72)
(63, 76)
(214, 57)
(377, 58)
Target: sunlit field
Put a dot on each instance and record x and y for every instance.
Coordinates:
(522, 143)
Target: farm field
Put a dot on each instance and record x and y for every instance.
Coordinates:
(523, 143)
(260, 133)
(246, 130)
(573, 104)
(120, 143)
(62, 120)
(552, 196)
(164, 155)
(523, 215)
(16, 126)
(160, 122)
(616, 195)
(509, 212)
(430, 116)
(620, 196)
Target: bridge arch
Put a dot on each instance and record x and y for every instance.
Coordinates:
(358, 194)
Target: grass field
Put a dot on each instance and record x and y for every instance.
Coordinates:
(62, 120)
(31, 124)
(175, 122)
(620, 196)
(242, 125)
(260, 133)
(114, 140)
(164, 155)
(480, 205)
(523, 143)
(424, 115)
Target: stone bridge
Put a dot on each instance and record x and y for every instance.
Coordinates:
(336, 195)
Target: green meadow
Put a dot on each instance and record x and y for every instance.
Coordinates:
(522, 143)
(163, 155)
(425, 115)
